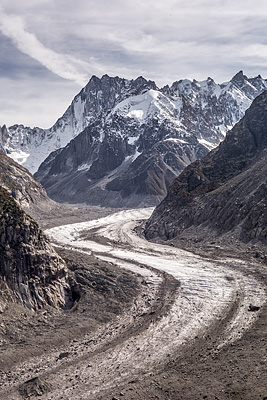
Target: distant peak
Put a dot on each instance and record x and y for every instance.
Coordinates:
(239, 78)
(239, 74)
(106, 77)
(141, 83)
(92, 81)
(94, 78)
(140, 78)
(95, 81)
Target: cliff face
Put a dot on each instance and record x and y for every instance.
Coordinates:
(225, 192)
(31, 272)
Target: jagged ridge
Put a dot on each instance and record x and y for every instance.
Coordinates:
(134, 135)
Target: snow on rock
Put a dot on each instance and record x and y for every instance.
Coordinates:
(147, 105)
(204, 110)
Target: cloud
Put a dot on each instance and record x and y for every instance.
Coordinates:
(67, 66)
(130, 38)
(33, 102)
(163, 41)
(60, 64)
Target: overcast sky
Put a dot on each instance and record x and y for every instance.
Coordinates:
(51, 48)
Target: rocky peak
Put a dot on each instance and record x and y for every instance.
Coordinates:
(210, 80)
(239, 79)
(95, 101)
(108, 91)
(258, 82)
(142, 85)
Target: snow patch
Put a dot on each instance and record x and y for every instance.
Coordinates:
(176, 140)
(84, 167)
(207, 144)
(148, 105)
(20, 156)
(132, 139)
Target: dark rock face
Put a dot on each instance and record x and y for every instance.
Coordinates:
(225, 192)
(31, 272)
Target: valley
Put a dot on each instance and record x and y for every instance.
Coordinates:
(133, 200)
(133, 301)
(185, 331)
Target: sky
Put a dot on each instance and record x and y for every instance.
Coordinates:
(49, 49)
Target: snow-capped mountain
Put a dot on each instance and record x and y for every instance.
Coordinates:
(30, 147)
(129, 138)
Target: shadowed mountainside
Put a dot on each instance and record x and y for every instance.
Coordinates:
(226, 192)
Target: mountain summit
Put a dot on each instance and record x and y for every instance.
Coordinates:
(122, 142)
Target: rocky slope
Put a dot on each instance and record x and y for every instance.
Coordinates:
(121, 142)
(17, 180)
(224, 194)
(31, 272)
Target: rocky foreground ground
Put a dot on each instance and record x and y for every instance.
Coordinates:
(118, 305)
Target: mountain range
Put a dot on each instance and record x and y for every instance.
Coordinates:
(225, 193)
(122, 142)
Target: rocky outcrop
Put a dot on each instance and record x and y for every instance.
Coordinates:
(31, 272)
(225, 193)
(23, 187)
